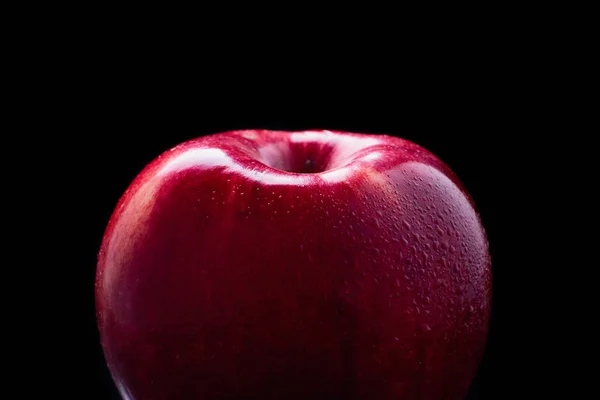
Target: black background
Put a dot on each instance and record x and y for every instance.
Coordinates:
(122, 135)
(98, 100)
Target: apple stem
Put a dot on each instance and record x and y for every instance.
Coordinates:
(309, 166)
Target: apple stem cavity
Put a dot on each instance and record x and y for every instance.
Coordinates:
(300, 158)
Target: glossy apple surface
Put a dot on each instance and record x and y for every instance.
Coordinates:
(294, 265)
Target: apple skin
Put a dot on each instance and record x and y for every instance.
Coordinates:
(364, 273)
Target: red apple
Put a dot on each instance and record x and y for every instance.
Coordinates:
(294, 265)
